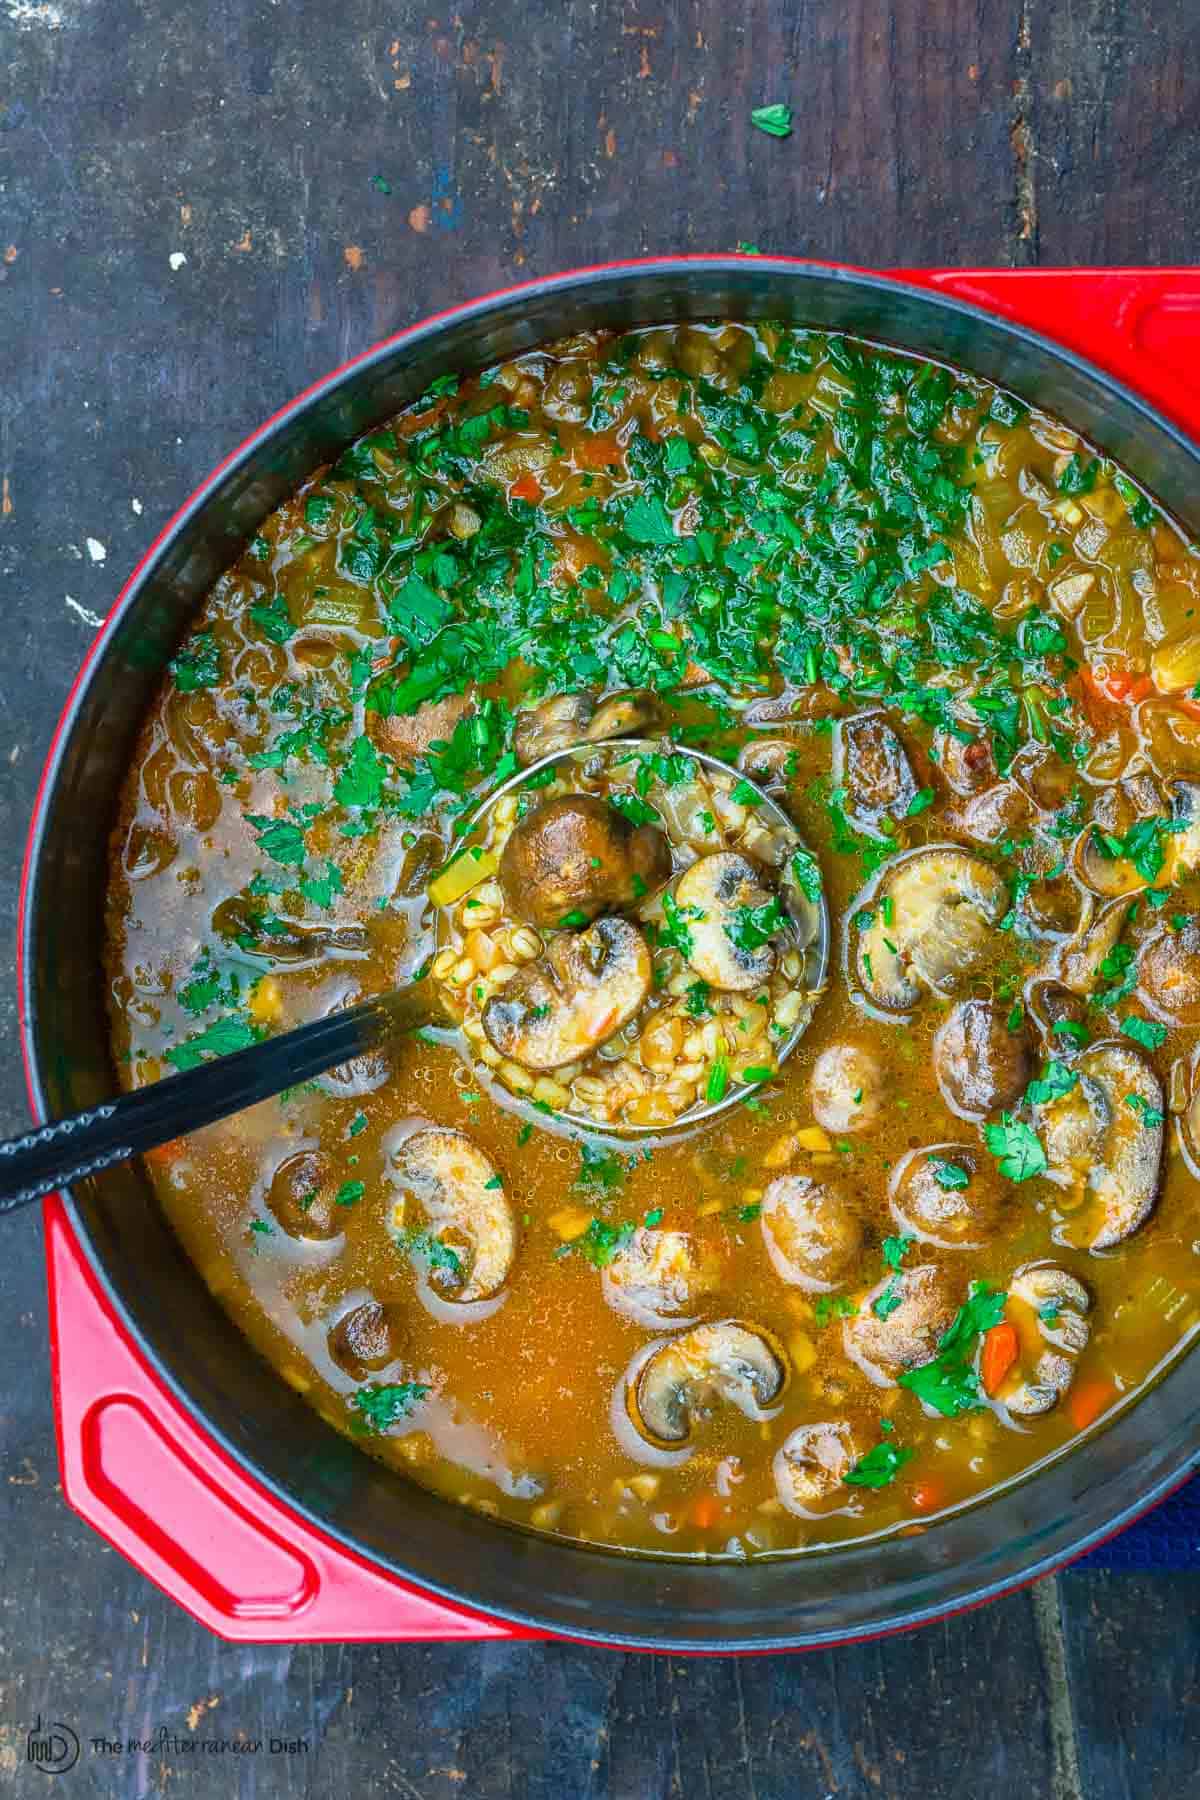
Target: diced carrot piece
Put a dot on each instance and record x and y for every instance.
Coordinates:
(1088, 1399)
(598, 451)
(1001, 1349)
(929, 1495)
(166, 1153)
(705, 1511)
(527, 488)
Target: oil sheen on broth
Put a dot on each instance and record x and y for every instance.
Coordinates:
(957, 1227)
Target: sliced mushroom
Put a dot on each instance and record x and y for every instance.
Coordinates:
(364, 1340)
(810, 1466)
(981, 1064)
(847, 1088)
(945, 905)
(1051, 1006)
(1169, 974)
(302, 1196)
(872, 767)
(918, 1311)
(948, 1195)
(1079, 961)
(624, 715)
(1049, 1309)
(685, 1378)
(575, 856)
(464, 1204)
(1182, 847)
(554, 725)
(710, 896)
(657, 1278)
(568, 719)
(966, 762)
(1103, 1140)
(770, 761)
(586, 986)
(812, 1232)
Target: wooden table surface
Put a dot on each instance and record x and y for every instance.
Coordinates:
(202, 208)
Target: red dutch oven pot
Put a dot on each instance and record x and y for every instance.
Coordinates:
(379, 1520)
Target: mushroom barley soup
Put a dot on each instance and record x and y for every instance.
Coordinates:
(597, 1255)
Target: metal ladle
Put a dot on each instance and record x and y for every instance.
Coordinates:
(67, 1150)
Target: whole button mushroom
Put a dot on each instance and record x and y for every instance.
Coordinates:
(574, 998)
(465, 1206)
(916, 1310)
(687, 1376)
(980, 1063)
(811, 1232)
(948, 1195)
(575, 856)
(810, 1466)
(1103, 1138)
(657, 1278)
(302, 1196)
(846, 1089)
(364, 1340)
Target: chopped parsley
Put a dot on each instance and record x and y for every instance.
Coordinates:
(377, 1407)
(948, 1383)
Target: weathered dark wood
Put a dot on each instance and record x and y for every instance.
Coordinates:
(516, 136)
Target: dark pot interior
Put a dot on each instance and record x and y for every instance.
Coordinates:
(819, 1597)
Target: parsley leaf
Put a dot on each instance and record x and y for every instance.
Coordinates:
(1146, 1032)
(378, 1406)
(948, 1384)
(878, 1467)
(1017, 1148)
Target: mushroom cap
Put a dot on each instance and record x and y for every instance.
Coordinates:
(946, 905)
(1104, 1148)
(1050, 1313)
(586, 987)
(364, 1339)
(873, 769)
(464, 1204)
(687, 1375)
(1169, 974)
(846, 1088)
(931, 1202)
(910, 1333)
(656, 1278)
(981, 1066)
(1079, 962)
(575, 856)
(811, 1231)
(709, 895)
(809, 1467)
(301, 1196)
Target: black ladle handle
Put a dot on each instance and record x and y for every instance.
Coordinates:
(53, 1156)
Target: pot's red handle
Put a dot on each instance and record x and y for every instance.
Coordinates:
(137, 1468)
(1141, 325)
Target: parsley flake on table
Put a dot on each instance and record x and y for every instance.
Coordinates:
(775, 120)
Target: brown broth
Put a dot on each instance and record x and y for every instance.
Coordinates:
(249, 779)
